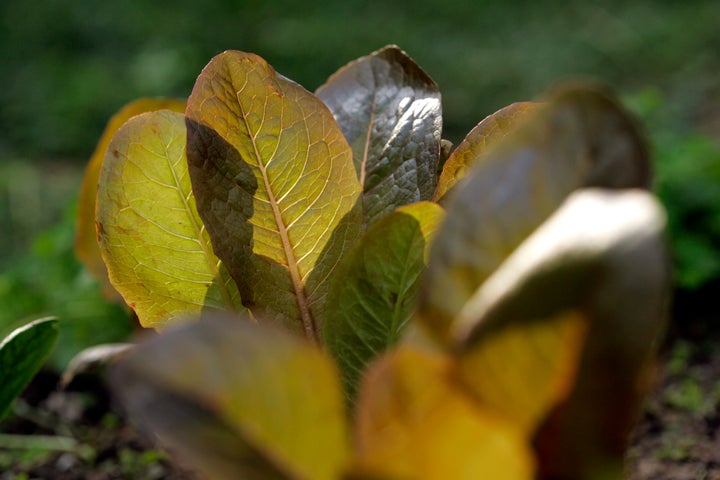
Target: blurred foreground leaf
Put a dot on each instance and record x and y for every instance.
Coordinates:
(415, 421)
(571, 320)
(239, 400)
(581, 137)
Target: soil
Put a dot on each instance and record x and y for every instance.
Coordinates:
(678, 436)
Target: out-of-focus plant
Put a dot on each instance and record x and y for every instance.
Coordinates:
(496, 320)
(689, 188)
(22, 353)
(49, 280)
(688, 184)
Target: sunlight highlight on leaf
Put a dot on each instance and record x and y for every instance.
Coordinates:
(390, 112)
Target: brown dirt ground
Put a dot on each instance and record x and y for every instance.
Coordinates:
(678, 437)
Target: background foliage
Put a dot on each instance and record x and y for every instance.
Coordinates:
(68, 65)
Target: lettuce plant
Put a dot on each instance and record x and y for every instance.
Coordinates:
(369, 309)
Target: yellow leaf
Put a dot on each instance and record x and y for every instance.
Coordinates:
(153, 242)
(86, 243)
(415, 421)
(525, 369)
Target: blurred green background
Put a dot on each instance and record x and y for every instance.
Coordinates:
(68, 65)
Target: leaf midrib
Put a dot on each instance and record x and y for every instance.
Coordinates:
(368, 138)
(306, 317)
(396, 325)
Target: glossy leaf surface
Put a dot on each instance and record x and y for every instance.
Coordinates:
(389, 110)
(415, 421)
(155, 246)
(86, 242)
(238, 398)
(478, 142)
(275, 184)
(601, 259)
(375, 291)
(22, 353)
(581, 137)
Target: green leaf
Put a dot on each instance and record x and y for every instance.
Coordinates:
(478, 142)
(22, 353)
(389, 110)
(157, 251)
(581, 137)
(601, 262)
(374, 292)
(414, 420)
(239, 400)
(275, 184)
(86, 243)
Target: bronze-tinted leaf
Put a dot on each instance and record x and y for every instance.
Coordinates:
(275, 185)
(415, 421)
(599, 263)
(375, 290)
(239, 400)
(86, 244)
(478, 142)
(581, 137)
(389, 110)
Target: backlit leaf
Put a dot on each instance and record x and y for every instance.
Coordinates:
(477, 143)
(581, 137)
(374, 293)
(601, 260)
(275, 184)
(155, 246)
(86, 243)
(22, 353)
(239, 399)
(389, 110)
(415, 421)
